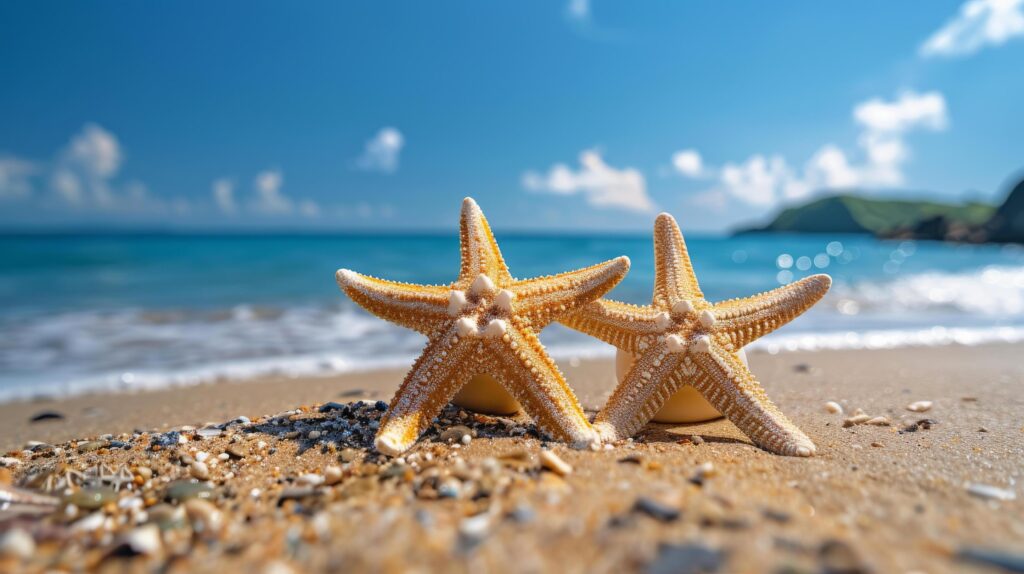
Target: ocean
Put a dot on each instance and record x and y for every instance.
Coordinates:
(81, 313)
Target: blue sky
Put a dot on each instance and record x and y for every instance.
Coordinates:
(554, 116)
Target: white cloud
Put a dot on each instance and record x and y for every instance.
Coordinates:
(223, 191)
(767, 180)
(269, 198)
(688, 162)
(86, 165)
(382, 151)
(600, 184)
(979, 24)
(14, 177)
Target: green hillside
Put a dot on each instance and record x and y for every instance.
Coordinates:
(853, 214)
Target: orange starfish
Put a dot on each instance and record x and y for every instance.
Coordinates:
(682, 339)
(484, 322)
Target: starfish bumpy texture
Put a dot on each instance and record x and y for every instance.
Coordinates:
(682, 339)
(484, 322)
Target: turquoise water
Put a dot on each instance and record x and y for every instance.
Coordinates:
(89, 312)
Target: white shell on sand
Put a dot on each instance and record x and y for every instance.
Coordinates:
(484, 394)
(685, 406)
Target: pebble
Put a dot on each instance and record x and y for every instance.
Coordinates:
(704, 471)
(834, 408)
(554, 463)
(46, 416)
(457, 433)
(145, 540)
(473, 530)
(90, 523)
(235, 451)
(990, 492)
(92, 445)
(208, 433)
(199, 470)
(332, 475)
(856, 419)
(348, 454)
(310, 479)
(656, 510)
(919, 406)
(91, 498)
(206, 519)
(166, 517)
(837, 557)
(8, 462)
(690, 558)
(696, 439)
(313, 435)
(1000, 559)
(202, 456)
(182, 490)
(16, 543)
(449, 488)
(331, 406)
(878, 421)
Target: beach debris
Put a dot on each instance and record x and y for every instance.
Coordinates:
(878, 421)
(1008, 561)
(554, 463)
(838, 557)
(919, 406)
(689, 558)
(46, 416)
(834, 408)
(655, 509)
(16, 543)
(990, 492)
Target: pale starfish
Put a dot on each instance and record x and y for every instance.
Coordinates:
(682, 339)
(484, 322)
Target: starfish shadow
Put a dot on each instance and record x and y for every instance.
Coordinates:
(714, 431)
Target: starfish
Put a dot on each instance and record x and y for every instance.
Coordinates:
(682, 339)
(484, 322)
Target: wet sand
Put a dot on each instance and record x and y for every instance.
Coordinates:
(876, 498)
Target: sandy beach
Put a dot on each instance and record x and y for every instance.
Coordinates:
(298, 487)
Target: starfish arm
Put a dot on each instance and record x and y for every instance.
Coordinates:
(615, 323)
(744, 320)
(646, 387)
(418, 307)
(435, 377)
(732, 389)
(529, 374)
(480, 253)
(674, 279)
(545, 299)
